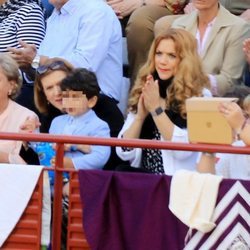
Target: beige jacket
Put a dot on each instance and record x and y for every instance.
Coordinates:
(223, 56)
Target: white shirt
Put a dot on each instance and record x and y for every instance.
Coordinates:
(233, 166)
(87, 34)
(201, 43)
(173, 160)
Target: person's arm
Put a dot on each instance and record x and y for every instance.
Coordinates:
(31, 26)
(246, 49)
(30, 124)
(134, 130)
(231, 70)
(95, 31)
(233, 114)
(245, 134)
(4, 157)
(206, 163)
(189, 8)
(98, 156)
(133, 155)
(86, 149)
(68, 163)
(153, 102)
(12, 158)
(25, 55)
(31, 30)
(236, 119)
(93, 41)
(246, 15)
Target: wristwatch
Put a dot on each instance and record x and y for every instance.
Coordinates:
(157, 111)
(35, 62)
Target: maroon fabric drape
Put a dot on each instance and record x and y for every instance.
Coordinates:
(129, 211)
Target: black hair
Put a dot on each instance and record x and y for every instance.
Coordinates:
(81, 79)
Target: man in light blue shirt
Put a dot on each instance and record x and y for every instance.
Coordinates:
(87, 33)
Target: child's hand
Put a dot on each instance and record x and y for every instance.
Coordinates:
(67, 147)
(86, 149)
(67, 162)
(30, 125)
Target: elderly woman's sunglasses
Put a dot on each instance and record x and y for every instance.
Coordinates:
(53, 66)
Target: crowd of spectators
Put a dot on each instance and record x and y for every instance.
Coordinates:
(176, 49)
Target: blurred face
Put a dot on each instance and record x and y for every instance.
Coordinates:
(75, 104)
(166, 59)
(51, 87)
(205, 4)
(5, 87)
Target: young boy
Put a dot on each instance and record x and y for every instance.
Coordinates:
(80, 94)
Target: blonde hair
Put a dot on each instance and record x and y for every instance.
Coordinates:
(189, 80)
(10, 69)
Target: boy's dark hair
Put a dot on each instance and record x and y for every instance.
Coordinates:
(81, 79)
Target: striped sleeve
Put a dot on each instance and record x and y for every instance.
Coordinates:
(30, 24)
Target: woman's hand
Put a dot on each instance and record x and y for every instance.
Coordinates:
(30, 125)
(151, 95)
(123, 8)
(233, 114)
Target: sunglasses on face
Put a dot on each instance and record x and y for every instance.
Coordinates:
(53, 66)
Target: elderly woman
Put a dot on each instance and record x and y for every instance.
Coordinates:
(12, 115)
(172, 73)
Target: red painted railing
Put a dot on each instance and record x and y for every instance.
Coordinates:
(60, 140)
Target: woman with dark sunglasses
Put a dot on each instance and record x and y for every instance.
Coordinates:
(47, 90)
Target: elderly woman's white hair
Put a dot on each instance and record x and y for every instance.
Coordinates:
(10, 69)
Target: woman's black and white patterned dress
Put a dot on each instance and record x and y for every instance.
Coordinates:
(152, 158)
